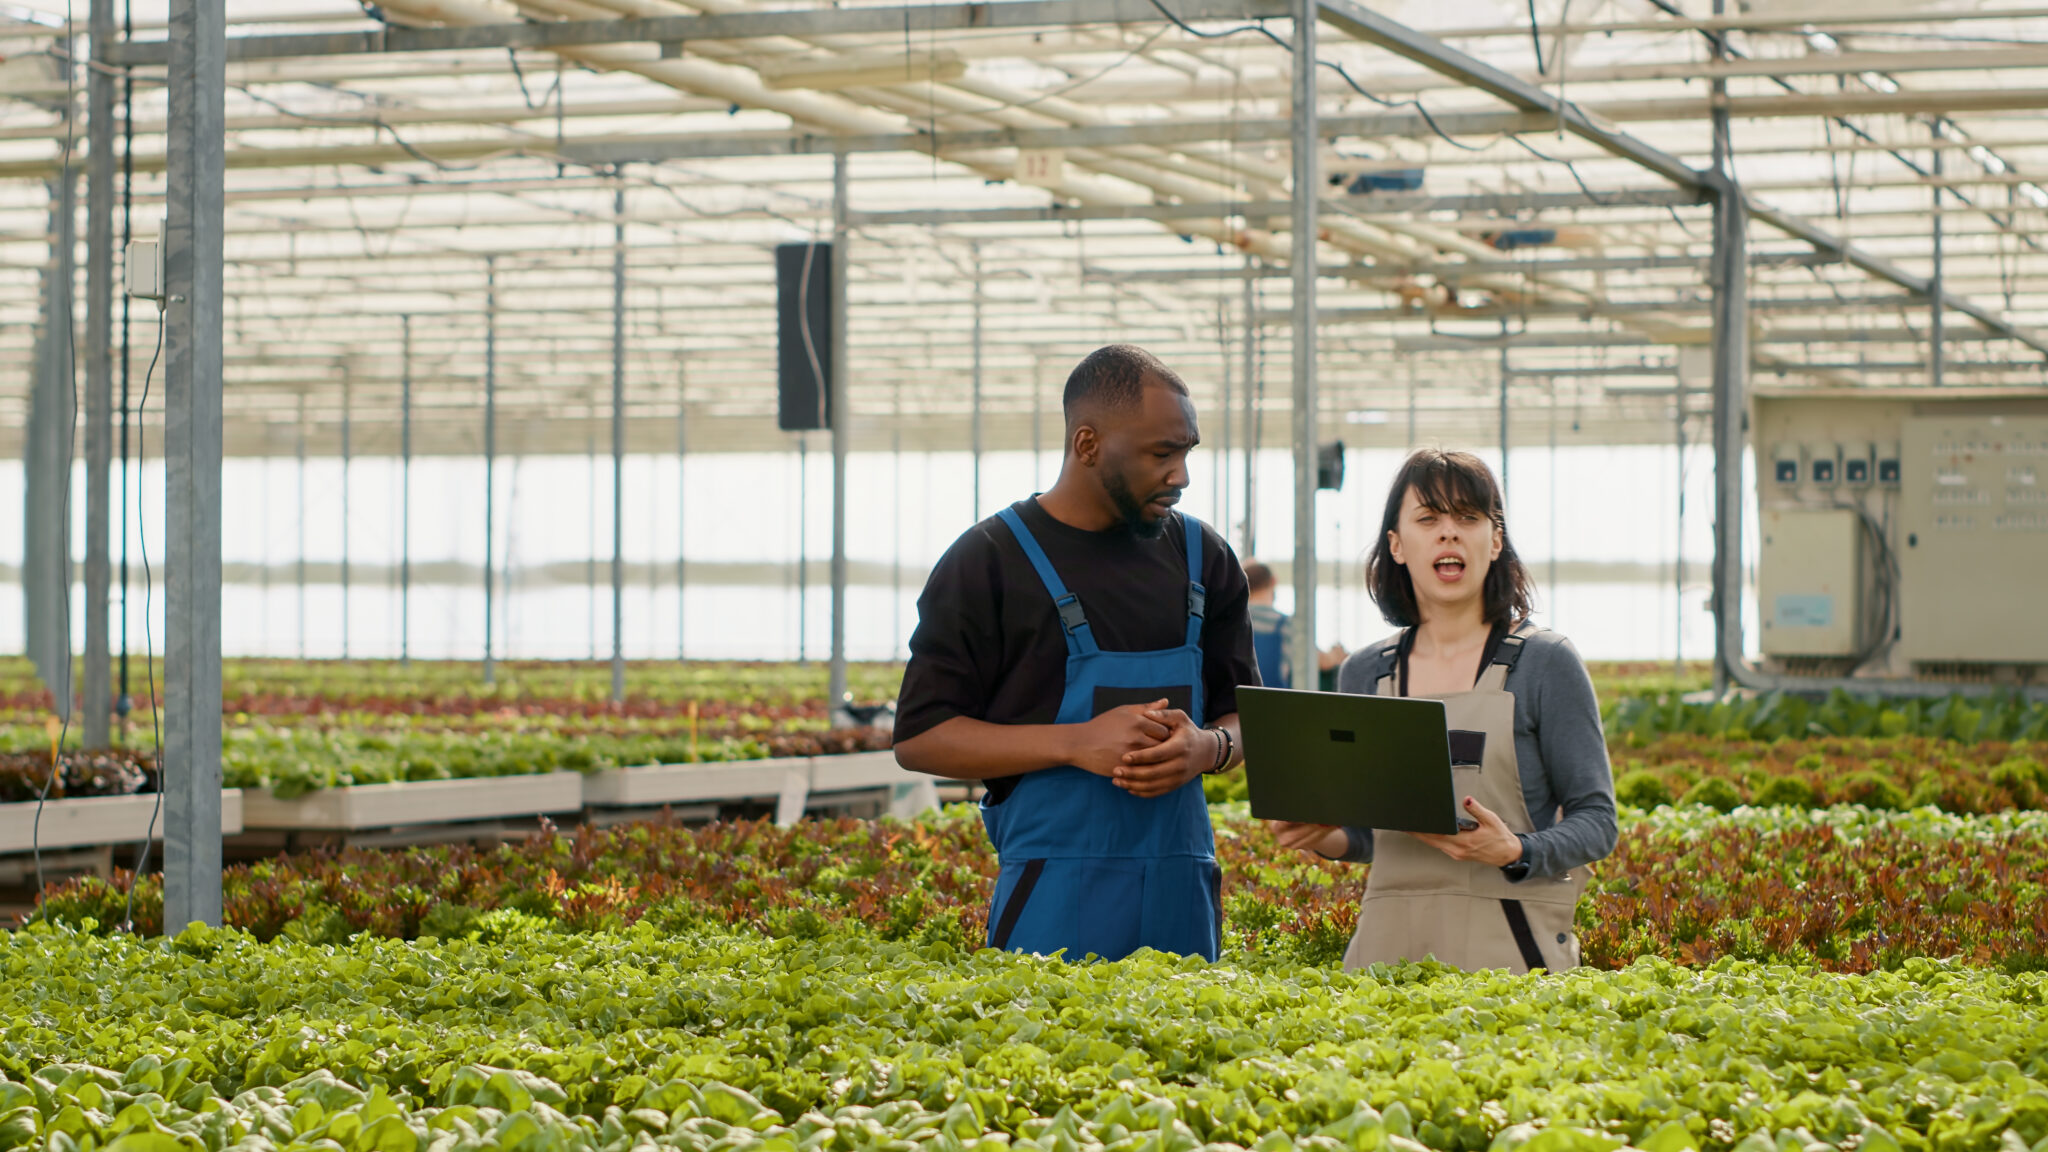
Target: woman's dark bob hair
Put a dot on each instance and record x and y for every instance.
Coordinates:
(1448, 483)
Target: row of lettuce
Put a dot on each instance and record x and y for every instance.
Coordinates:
(1847, 889)
(719, 1041)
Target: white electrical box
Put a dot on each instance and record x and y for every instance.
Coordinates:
(1810, 582)
(143, 270)
(1974, 558)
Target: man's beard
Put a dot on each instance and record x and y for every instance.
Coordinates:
(1132, 509)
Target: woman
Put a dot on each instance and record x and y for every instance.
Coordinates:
(1528, 757)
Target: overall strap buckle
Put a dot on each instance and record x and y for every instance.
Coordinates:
(1198, 602)
(1071, 616)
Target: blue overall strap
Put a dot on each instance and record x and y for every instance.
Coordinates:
(1198, 596)
(1073, 622)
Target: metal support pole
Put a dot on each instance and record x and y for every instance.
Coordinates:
(1937, 345)
(896, 519)
(124, 703)
(52, 419)
(1728, 272)
(1254, 386)
(299, 489)
(1038, 426)
(1678, 556)
(1504, 414)
(589, 525)
(1222, 490)
(1552, 582)
(192, 456)
(347, 421)
(1307, 147)
(842, 422)
(975, 416)
(682, 505)
(490, 460)
(99, 378)
(803, 547)
(619, 443)
(405, 490)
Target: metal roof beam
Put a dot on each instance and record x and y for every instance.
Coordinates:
(815, 22)
(1369, 26)
(1362, 23)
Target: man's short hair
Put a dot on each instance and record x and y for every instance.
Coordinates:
(1257, 577)
(1112, 378)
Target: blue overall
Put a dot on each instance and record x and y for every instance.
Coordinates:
(1087, 867)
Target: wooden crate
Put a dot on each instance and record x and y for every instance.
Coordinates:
(368, 806)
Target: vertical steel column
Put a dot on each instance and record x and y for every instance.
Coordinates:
(192, 459)
(53, 415)
(1729, 275)
(99, 376)
(405, 490)
(1412, 406)
(896, 518)
(1678, 556)
(347, 425)
(1222, 492)
(975, 415)
(1552, 583)
(803, 547)
(1037, 424)
(124, 703)
(1937, 346)
(1307, 182)
(299, 488)
(589, 525)
(842, 422)
(1504, 412)
(490, 460)
(619, 442)
(682, 503)
(1253, 386)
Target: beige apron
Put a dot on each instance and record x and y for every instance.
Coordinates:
(1421, 903)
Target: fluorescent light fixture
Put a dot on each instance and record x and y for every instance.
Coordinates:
(1368, 416)
(1822, 42)
(864, 70)
(2035, 193)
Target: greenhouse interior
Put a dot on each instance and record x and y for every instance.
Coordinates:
(718, 575)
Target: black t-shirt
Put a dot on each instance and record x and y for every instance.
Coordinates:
(989, 644)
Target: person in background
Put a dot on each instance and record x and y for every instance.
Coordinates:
(1273, 636)
(1080, 652)
(1528, 757)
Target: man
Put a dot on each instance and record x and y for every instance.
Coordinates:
(1273, 635)
(1068, 652)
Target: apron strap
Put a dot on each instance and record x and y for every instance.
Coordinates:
(1073, 622)
(1506, 651)
(1525, 937)
(1198, 596)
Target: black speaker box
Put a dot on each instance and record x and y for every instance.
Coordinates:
(803, 314)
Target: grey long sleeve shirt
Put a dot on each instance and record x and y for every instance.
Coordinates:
(1560, 750)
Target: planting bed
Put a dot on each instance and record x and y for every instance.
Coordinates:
(1846, 890)
(1783, 977)
(705, 1039)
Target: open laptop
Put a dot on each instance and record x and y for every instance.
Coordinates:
(1355, 761)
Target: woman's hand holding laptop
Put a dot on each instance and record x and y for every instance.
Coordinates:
(1492, 842)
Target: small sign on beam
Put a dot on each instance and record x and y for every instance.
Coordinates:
(1044, 167)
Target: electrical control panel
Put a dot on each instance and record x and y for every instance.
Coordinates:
(1903, 531)
(1810, 582)
(1974, 513)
